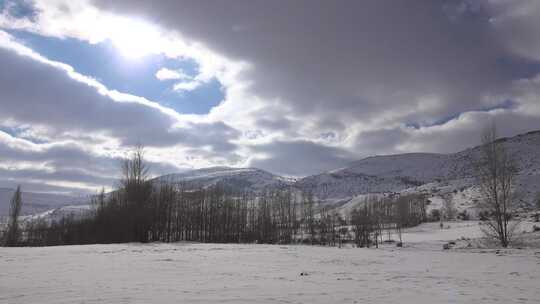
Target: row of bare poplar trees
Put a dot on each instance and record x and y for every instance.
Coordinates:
(214, 215)
(380, 216)
(151, 211)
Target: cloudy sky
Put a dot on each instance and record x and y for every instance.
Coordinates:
(293, 87)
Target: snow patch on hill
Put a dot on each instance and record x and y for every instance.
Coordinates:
(251, 179)
(432, 174)
(70, 211)
(35, 202)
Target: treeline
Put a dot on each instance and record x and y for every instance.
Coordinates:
(171, 214)
(142, 210)
(380, 216)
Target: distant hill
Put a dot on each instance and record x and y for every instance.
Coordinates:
(380, 174)
(426, 172)
(34, 202)
(429, 173)
(239, 179)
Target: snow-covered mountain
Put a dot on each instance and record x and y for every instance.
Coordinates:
(56, 214)
(388, 173)
(432, 174)
(425, 172)
(249, 179)
(35, 202)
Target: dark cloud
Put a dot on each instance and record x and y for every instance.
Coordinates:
(61, 156)
(63, 163)
(517, 23)
(384, 64)
(299, 158)
(383, 141)
(274, 123)
(58, 165)
(341, 60)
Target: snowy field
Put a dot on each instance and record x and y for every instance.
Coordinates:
(421, 272)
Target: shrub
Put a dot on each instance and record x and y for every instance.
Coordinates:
(483, 215)
(463, 215)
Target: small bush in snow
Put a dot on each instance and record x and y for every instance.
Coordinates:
(463, 215)
(483, 215)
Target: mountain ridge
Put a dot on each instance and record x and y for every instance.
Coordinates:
(398, 172)
(393, 173)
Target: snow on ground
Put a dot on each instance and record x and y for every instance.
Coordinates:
(431, 232)
(421, 272)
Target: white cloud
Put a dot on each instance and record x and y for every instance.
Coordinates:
(187, 85)
(167, 74)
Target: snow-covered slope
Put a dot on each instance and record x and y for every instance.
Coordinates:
(425, 172)
(34, 202)
(56, 214)
(248, 179)
(417, 167)
(338, 185)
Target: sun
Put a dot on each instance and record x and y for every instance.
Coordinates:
(134, 38)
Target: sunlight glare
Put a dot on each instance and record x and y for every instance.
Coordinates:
(134, 39)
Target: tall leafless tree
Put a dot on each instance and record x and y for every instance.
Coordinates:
(13, 232)
(137, 191)
(496, 173)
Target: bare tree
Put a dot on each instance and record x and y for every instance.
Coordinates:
(308, 215)
(134, 168)
(13, 232)
(137, 190)
(402, 215)
(496, 173)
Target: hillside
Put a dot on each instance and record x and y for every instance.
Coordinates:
(35, 202)
(424, 172)
(240, 179)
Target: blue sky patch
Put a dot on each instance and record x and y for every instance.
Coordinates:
(18, 9)
(104, 62)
